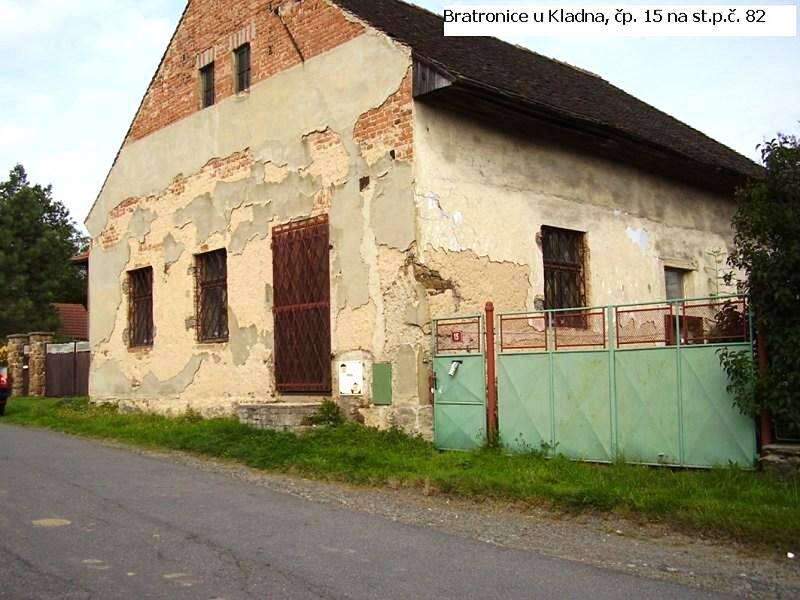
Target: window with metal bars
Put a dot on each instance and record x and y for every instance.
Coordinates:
(564, 270)
(140, 312)
(242, 67)
(207, 85)
(212, 296)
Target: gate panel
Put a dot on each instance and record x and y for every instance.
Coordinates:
(715, 433)
(648, 420)
(524, 414)
(60, 375)
(301, 269)
(82, 363)
(460, 402)
(67, 370)
(582, 405)
(459, 368)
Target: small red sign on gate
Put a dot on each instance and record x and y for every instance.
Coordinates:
(458, 337)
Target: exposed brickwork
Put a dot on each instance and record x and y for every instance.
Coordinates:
(125, 207)
(229, 168)
(316, 25)
(390, 127)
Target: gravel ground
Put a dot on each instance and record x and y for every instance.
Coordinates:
(647, 550)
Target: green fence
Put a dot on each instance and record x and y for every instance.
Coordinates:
(638, 382)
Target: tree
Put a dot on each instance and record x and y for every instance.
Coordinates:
(37, 240)
(767, 251)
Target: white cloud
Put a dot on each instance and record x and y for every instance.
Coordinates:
(67, 98)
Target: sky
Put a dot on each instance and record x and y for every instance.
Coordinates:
(76, 70)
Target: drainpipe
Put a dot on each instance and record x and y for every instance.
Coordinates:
(491, 395)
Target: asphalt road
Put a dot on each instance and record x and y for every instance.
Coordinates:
(82, 520)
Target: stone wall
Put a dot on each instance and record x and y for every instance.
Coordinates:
(36, 343)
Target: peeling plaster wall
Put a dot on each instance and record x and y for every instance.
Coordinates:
(482, 196)
(294, 147)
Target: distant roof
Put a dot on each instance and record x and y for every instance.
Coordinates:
(80, 259)
(74, 320)
(551, 86)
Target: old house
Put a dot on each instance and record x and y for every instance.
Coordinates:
(310, 182)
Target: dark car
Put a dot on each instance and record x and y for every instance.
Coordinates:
(4, 391)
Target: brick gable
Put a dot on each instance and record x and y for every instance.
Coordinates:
(210, 30)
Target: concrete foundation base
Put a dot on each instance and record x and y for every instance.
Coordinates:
(284, 416)
(783, 460)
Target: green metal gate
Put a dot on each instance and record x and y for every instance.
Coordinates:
(459, 366)
(641, 383)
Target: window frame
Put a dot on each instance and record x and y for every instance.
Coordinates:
(552, 265)
(683, 275)
(242, 76)
(203, 286)
(208, 95)
(137, 298)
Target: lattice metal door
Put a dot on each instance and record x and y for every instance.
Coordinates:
(301, 269)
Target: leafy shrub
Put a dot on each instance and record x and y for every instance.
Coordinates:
(767, 251)
(328, 414)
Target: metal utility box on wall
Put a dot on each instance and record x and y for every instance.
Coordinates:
(351, 378)
(382, 384)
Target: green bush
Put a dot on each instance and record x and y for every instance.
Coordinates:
(328, 414)
(767, 250)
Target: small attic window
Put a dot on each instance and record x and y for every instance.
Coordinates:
(207, 85)
(241, 66)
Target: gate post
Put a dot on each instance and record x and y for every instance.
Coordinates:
(491, 392)
(16, 363)
(37, 366)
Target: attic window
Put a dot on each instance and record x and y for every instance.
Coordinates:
(241, 65)
(207, 85)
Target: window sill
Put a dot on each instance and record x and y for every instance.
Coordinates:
(140, 349)
(211, 343)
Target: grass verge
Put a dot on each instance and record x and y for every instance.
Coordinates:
(753, 508)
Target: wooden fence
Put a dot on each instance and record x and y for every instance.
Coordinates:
(67, 370)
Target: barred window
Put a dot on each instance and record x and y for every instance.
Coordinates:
(207, 85)
(242, 67)
(212, 296)
(140, 312)
(564, 271)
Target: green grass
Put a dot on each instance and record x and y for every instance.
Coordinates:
(749, 507)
